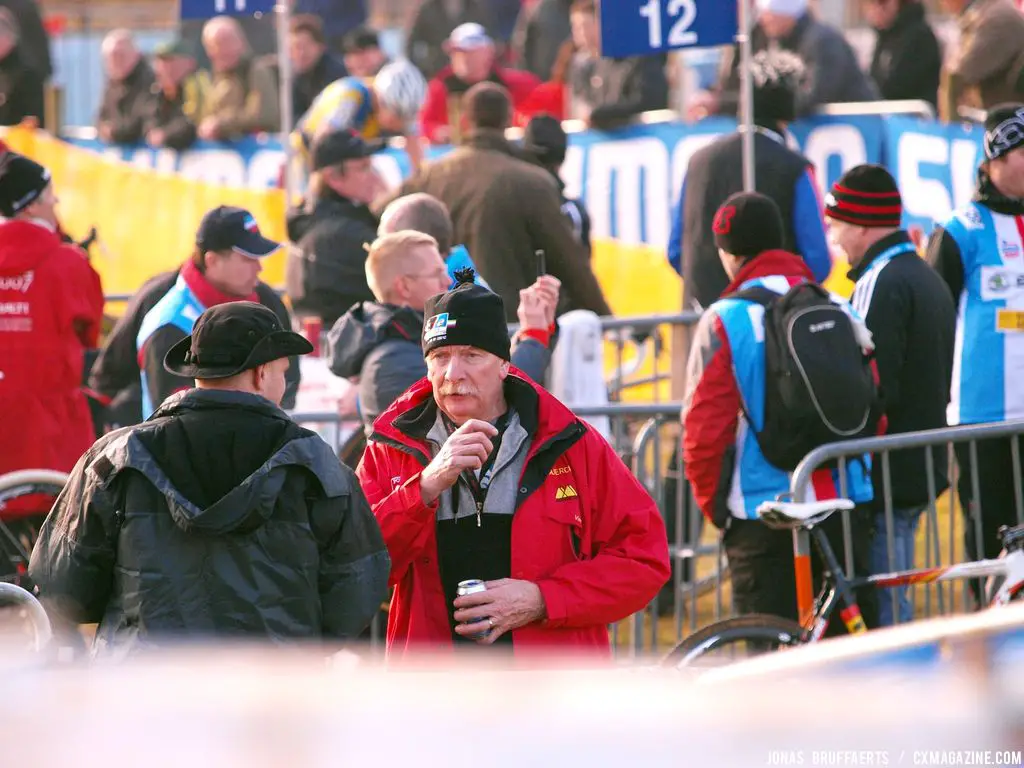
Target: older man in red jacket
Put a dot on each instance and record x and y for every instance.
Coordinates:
(478, 473)
(51, 308)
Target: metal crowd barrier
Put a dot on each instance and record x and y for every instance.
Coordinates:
(940, 536)
(646, 436)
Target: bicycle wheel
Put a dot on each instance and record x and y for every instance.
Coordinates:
(731, 640)
(19, 526)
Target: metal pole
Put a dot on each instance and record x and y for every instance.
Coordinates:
(746, 95)
(284, 66)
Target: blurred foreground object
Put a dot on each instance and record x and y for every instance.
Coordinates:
(235, 707)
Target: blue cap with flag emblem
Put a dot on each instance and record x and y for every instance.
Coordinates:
(227, 228)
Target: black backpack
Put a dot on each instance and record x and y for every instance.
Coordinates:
(819, 384)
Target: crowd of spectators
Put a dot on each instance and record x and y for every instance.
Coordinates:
(219, 79)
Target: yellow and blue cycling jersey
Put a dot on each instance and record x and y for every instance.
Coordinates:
(345, 103)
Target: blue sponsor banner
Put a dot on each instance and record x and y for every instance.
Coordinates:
(935, 165)
(630, 179)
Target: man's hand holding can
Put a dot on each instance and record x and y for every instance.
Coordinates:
(506, 604)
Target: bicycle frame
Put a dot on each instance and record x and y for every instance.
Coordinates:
(837, 588)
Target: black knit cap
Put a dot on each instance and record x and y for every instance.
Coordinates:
(748, 223)
(545, 139)
(468, 314)
(22, 181)
(866, 195)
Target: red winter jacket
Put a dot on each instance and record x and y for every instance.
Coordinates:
(546, 99)
(435, 116)
(51, 308)
(622, 558)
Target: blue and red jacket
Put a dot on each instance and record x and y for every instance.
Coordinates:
(724, 464)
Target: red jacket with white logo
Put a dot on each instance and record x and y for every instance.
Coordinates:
(584, 530)
(51, 307)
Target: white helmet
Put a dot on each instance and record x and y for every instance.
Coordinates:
(401, 88)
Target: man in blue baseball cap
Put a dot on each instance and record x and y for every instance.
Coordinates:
(115, 374)
(225, 266)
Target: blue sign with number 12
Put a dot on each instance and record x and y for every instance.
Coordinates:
(640, 27)
(207, 9)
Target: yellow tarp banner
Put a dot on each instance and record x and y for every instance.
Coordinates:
(147, 222)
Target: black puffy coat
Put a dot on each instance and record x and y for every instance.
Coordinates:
(218, 517)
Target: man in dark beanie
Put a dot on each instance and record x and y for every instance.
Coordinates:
(478, 473)
(979, 251)
(51, 309)
(545, 141)
(716, 171)
(911, 318)
(219, 517)
(724, 412)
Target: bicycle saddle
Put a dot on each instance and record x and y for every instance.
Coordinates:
(795, 514)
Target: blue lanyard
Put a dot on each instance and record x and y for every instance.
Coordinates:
(891, 253)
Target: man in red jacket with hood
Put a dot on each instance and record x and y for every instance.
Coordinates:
(478, 473)
(51, 307)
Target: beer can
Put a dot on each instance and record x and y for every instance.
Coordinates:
(471, 587)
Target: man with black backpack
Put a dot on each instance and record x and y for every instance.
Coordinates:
(778, 367)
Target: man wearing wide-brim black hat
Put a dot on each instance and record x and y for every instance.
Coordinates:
(217, 517)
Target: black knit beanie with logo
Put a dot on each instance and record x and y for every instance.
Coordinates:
(748, 223)
(469, 315)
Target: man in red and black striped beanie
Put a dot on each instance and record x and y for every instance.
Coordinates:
(867, 196)
(910, 313)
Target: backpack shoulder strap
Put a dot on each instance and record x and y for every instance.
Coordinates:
(757, 294)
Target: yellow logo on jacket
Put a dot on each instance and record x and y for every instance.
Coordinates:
(565, 492)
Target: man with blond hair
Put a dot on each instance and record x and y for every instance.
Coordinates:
(379, 341)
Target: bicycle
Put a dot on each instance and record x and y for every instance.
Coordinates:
(763, 633)
(19, 528)
(28, 612)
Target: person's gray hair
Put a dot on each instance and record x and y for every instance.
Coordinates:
(419, 212)
(218, 23)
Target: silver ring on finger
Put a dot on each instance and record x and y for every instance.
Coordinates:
(490, 623)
